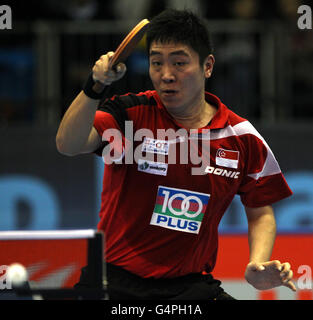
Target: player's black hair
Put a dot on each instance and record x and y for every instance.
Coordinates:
(180, 26)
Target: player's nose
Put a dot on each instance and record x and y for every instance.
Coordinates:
(167, 74)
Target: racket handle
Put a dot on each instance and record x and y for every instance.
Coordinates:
(113, 67)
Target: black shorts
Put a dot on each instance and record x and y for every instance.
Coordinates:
(124, 285)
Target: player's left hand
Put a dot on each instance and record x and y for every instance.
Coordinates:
(269, 274)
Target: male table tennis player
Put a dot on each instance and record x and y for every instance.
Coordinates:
(160, 220)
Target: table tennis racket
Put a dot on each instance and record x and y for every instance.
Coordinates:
(129, 43)
(125, 48)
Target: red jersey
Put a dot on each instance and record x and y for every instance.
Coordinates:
(161, 218)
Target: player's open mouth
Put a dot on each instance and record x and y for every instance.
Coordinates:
(169, 93)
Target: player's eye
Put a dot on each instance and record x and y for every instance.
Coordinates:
(155, 63)
(180, 63)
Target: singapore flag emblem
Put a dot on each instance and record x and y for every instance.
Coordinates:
(227, 158)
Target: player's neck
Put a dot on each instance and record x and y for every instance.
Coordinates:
(196, 116)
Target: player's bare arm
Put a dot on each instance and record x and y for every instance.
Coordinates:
(262, 273)
(76, 133)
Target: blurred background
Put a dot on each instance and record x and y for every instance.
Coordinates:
(263, 72)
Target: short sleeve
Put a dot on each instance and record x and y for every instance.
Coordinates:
(263, 183)
(109, 122)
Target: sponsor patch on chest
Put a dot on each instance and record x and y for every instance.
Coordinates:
(179, 209)
(155, 146)
(152, 167)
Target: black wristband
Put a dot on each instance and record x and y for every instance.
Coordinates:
(93, 89)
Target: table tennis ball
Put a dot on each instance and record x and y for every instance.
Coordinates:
(17, 274)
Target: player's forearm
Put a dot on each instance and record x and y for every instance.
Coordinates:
(76, 125)
(261, 233)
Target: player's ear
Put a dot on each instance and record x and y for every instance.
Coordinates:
(208, 65)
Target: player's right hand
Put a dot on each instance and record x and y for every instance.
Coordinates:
(102, 73)
(270, 274)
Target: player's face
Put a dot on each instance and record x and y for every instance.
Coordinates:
(177, 75)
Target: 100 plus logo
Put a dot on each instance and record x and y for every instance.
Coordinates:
(180, 210)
